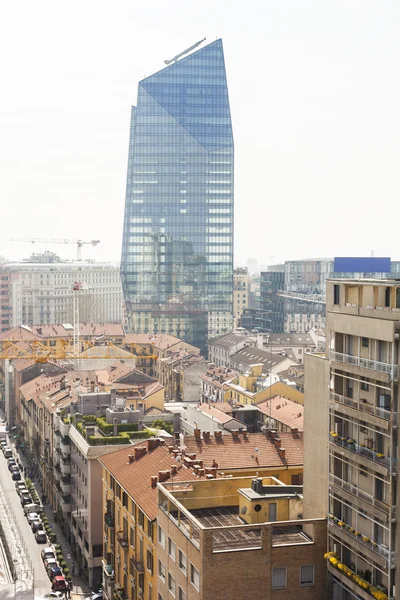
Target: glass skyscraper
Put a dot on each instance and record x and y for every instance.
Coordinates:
(177, 251)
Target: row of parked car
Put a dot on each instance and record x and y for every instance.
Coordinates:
(31, 509)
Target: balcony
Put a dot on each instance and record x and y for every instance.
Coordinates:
(57, 438)
(57, 491)
(365, 363)
(65, 484)
(376, 457)
(365, 407)
(108, 571)
(352, 489)
(65, 446)
(66, 504)
(136, 565)
(64, 428)
(380, 549)
(65, 466)
(57, 473)
(123, 539)
(109, 520)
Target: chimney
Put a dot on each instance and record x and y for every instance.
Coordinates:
(218, 435)
(139, 451)
(115, 427)
(294, 431)
(131, 458)
(197, 433)
(170, 449)
(92, 386)
(62, 383)
(153, 481)
(153, 443)
(281, 452)
(163, 475)
(214, 464)
(201, 472)
(277, 442)
(174, 469)
(206, 435)
(235, 433)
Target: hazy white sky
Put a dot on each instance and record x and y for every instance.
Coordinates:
(315, 99)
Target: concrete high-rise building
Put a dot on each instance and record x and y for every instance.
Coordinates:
(241, 289)
(177, 251)
(42, 292)
(10, 299)
(352, 399)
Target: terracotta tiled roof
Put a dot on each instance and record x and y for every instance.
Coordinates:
(18, 334)
(158, 340)
(212, 411)
(244, 451)
(135, 478)
(285, 411)
(224, 407)
(38, 332)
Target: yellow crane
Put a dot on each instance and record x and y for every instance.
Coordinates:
(39, 352)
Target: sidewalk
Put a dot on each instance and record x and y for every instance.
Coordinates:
(80, 587)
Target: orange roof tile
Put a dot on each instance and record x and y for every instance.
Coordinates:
(251, 450)
(158, 340)
(285, 411)
(135, 478)
(212, 411)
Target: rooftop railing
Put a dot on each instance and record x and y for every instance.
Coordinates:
(365, 363)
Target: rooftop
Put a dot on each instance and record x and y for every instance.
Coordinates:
(213, 411)
(229, 339)
(250, 356)
(290, 339)
(218, 375)
(247, 450)
(285, 411)
(65, 330)
(162, 341)
(135, 476)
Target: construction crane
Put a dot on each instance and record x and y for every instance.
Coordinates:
(316, 298)
(79, 243)
(37, 351)
(178, 56)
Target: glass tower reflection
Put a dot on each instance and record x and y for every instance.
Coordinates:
(177, 251)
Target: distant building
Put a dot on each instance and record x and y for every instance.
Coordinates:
(221, 348)
(213, 382)
(241, 292)
(10, 299)
(42, 292)
(272, 306)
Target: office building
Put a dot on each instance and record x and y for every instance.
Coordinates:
(42, 292)
(272, 306)
(351, 398)
(241, 290)
(177, 250)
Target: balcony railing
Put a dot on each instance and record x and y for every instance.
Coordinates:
(361, 450)
(380, 549)
(365, 407)
(353, 489)
(365, 363)
(137, 565)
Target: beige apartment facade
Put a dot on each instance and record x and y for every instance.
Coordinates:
(363, 331)
(241, 288)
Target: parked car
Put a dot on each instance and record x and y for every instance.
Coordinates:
(16, 475)
(36, 526)
(32, 517)
(41, 537)
(7, 452)
(48, 553)
(59, 583)
(54, 571)
(25, 498)
(95, 596)
(20, 487)
(11, 462)
(50, 562)
(28, 508)
(3, 442)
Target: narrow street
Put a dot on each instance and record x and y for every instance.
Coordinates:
(42, 583)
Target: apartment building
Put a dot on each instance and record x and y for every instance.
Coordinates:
(129, 508)
(213, 382)
(10, 299)
(237, 538)
(361, 447)
(220, 349)
(47, 296)
(252, 386)
(180, 373)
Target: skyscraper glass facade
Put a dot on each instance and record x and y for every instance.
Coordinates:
(177, 252)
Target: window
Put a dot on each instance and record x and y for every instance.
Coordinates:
(171, 584)
(161, 537)
(132, 537)
(141, 518)
(278, 578)
(182, 561)
(161, 571)
(150, 529)
(387, 297)
(336, 294)
(150, 561)
(306, 575)
(171, 549)
(364, 386)
(194, 577)
(364, 342)
(182, 594)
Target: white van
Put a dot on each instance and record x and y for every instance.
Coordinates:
(29, 508)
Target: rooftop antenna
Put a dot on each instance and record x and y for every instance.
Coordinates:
(178, 56)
